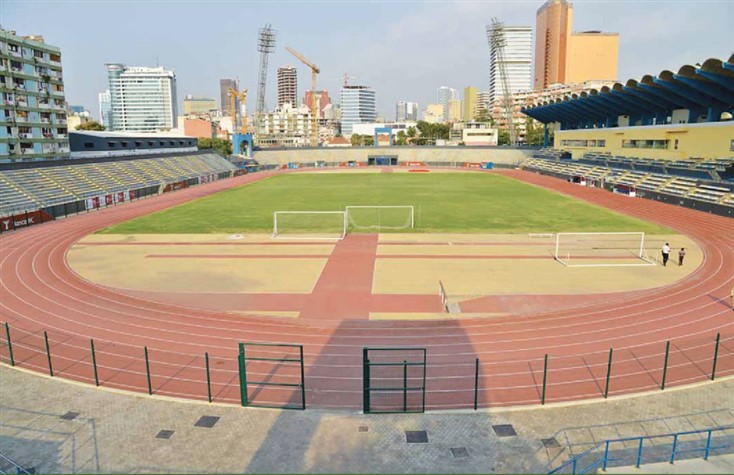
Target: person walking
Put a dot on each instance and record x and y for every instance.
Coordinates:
(666, 254)
(681, 255)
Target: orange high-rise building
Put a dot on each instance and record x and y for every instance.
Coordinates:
(563, 57)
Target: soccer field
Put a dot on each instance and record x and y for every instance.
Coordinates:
(443, 202)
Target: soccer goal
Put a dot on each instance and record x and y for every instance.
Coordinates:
(310, 225)
(602, 249)
(380, 217)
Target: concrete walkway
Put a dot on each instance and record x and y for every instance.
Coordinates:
(55, 425)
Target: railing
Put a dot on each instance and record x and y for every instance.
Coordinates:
(6, 462)
(606, 454)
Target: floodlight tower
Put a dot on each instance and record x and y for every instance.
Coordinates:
(497, 43)
(265, 45)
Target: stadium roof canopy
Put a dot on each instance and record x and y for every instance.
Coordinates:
(705, 91)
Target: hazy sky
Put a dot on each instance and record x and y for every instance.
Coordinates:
(405, 50)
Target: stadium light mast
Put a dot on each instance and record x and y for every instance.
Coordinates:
(265, 45)
(497, 42)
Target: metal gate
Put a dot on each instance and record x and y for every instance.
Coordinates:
(394, 380)
(271, 375)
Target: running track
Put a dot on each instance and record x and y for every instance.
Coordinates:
(40, 292)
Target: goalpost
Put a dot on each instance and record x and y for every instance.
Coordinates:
(380, 217)
(310, 225)
(602, 249)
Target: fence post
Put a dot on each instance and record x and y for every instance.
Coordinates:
(606, 457)
(609, 373)
(675, 444)
(94, 362)
(708, 446)
(639, 454)
(303, 382)
(10, 344)
(147, 371)
(48, 354)
(545, 378)
(665, 364)
(243, 376)
(365, 382)
(208, 379)
(476, 383)
(405, 386)
(716, 356)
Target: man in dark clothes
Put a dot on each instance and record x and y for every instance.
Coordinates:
(681, 255)
(666, 254)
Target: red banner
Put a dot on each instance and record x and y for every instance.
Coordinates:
(472, 165)
(23, 220)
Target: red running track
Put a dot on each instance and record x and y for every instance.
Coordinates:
(39, 292)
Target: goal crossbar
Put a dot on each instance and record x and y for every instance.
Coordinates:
(408, 223)
(310, 232)
(635, 246)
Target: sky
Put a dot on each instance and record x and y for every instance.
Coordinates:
(405, 50)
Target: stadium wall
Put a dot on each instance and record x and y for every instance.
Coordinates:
(448, 155)
(671, 142)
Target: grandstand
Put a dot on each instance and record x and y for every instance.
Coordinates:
(29, 189)
(669, 137)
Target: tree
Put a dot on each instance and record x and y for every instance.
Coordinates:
(533, 134)
(401, 140)
(224, 147)
(483, 116)
(503, 137)
(91, 125)
(411, 132)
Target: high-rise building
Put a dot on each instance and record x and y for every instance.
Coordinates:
(406, 111)
(322, 100)
(443, 96)
(225, 103)
(104, 108)
(143, 99)
(288, 86)
(518, 52)
(199, 106)
(563, 57)
(433, 113)
(470, 103)
(454, 110)
(32, 105)
(483, 99)
(358, 105)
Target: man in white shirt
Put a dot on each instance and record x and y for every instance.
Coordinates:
(666, 253)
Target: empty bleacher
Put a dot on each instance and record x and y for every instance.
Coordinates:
(30, 188)
(694, 179)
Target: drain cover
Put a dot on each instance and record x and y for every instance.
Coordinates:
(364, 429)
(416, 436)
(164, 434)
(460, 453)
(551, 443)
(207, 421)
(70, 416)
(504, 430)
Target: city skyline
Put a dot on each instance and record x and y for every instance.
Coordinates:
(690, 33)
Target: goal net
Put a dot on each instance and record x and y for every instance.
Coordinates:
(380, 217)
(602, 249)
(317, 225)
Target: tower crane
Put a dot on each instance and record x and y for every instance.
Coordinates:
(497, 42)
(242, 96)
(314, 113)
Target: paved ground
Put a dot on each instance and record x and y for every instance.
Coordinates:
(721, 464)
(114, 431)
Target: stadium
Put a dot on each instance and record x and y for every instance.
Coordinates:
(445, 279)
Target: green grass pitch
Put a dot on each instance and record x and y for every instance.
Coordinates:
(444, 202)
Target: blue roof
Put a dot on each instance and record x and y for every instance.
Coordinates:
(706, 90)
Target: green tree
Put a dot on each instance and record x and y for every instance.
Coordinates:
(401, 140)
(412, 132)
(503, 137)
(533, 133)
(224, 147)
(483, 116)
(91, 125)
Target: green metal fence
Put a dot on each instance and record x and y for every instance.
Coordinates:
(394, 380)
(272, 375)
